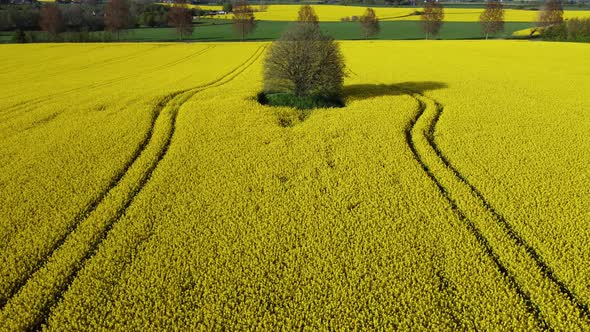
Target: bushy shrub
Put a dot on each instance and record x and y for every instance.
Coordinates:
(20, 36)
(576, 29)
(299, 102)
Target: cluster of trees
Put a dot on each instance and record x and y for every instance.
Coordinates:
(369, 22)
(574, 29)
(492, 20)
(117, 15)
(24, 17)
(552, 26)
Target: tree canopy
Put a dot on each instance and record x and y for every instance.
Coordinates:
(492, 18)
(551, 14)
(181, 18)
(370, 23)
(304, 62)
(116, 16)
(52, 19)
(243, 20)
(432, 17)
(306, 14)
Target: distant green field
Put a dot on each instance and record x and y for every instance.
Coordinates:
(5, 37)
(269, 30)
(222, 30)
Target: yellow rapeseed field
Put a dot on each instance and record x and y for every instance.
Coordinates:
(526, 32)
(144, 188)
(332, 13)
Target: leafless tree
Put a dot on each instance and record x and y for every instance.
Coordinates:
(492, 18)
(304, 62)
(307, 15)
(432, 17)
(243, 20)
(52, 19)
(551, 14)
(181, 17)
(370, 23)
(116, 16)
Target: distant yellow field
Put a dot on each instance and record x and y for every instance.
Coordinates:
(526, 32)
(332, 13)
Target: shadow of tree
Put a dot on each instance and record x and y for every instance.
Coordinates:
(366, 91)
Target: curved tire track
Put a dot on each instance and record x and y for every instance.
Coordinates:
(532, 279)
(29, 307)
(409, 133)
(93, 204)
(547, 271)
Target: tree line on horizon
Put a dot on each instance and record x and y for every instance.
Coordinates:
(119, 15)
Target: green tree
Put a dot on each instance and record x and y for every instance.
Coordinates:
(52, 19)
(304, 62)
(116, 17)
(155, 15)
(552, 13)
(370, 23)
(181, 17)
(432, 17)
(243, 20)
(492, 18)
(227, 7)
(306, 14)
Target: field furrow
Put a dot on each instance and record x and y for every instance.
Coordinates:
(38, 294)
(554, 305)
(417, 149)
(517, 238)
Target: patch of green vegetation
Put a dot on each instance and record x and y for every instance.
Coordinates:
(299, 102)
(5, 37)
(222, 30)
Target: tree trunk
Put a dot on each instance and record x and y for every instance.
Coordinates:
(486, 36)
